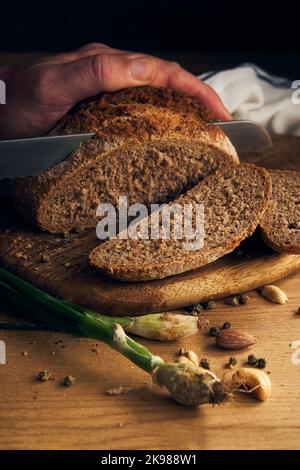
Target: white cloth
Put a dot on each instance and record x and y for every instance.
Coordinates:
(249, 92)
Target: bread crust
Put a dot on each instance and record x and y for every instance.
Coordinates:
(280, 227)
(160, 97)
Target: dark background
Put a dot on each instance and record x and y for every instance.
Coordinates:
(212, 33)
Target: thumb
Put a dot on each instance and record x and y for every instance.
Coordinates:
(103, 72)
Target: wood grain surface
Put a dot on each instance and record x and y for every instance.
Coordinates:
(37, 415)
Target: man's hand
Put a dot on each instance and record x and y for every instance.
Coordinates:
(40, 94)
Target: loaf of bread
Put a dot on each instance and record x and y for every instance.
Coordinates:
(234, 201)
(280, 227)
(150, 145)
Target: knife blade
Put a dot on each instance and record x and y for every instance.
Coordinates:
(32, 156)
(24, 157)
(246, 135)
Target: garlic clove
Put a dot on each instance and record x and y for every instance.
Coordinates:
(256, 382)
(274, 294)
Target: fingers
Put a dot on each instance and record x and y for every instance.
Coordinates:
(172, 75)
(103, 72)
(96, 67)
(92, 46)
(84, 51)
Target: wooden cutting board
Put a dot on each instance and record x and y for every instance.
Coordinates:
(67, 274)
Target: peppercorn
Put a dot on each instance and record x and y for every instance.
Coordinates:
(232, 361)
(243, 299)
(213, 331)
(69, 380)
(226, 326)
(252, 360)
(195, 309)
(45, 259)
(205, 363)
(209, 305)
(261, 363)
(44, 375)
(233, 301)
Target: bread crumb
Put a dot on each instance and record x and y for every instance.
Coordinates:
(118, 390)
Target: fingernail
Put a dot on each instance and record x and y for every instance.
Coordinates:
(141, 69)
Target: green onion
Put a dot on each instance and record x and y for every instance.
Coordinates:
(188, 384)
(158, 326)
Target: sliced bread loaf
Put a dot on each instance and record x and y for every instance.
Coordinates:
(280, 226)
(234, 200)
(67, 196)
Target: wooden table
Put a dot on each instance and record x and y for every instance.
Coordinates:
(37, 415)
(48, 415)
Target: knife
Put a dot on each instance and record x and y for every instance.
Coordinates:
(245, 135)
(32, 156)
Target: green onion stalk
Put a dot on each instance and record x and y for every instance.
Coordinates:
(188, 384)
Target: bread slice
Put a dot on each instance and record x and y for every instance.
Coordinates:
(234, 199)
(280, 226)
(67, 196)
(184, 150)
